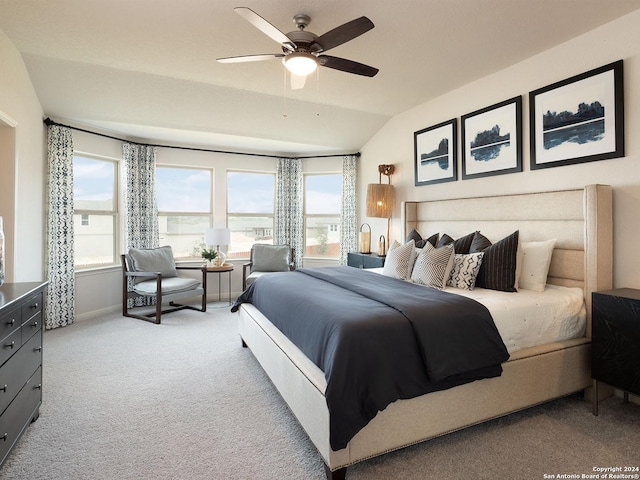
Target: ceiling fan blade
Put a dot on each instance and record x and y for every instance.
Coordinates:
(298, 81)
(250, 58)
(348, 66)
(265, 27)
(342, 34)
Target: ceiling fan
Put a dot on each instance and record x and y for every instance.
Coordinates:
(303, 51)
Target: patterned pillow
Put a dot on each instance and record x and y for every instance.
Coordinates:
(465, 270)
(433, 266)
(498, 269)
(399, 261)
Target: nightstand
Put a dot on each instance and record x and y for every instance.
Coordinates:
(615, 342)
(364, 260)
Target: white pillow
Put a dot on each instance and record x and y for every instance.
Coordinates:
(465, 270)
(399, 261)
(433, 266)
(536, 258)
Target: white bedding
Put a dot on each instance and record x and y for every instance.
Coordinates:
(527, 318)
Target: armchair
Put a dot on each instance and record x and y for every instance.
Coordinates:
(152, 273)
(266, 259)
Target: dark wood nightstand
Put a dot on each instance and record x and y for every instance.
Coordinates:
(364, 260)
(615, 342)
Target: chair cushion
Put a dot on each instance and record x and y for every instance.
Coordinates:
(154, 260)
(170, 286)
(270, 258)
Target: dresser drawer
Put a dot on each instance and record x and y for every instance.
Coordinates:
(18, 369)
(20, 413)
(10, 345)
(31, 316)
(32, 326)
(9, 321)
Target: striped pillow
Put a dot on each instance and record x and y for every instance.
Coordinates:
(399, 261)
(433, 266)
(498, 269)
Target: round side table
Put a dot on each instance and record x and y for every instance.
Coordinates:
(228, 268)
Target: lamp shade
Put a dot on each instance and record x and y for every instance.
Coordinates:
(380, 200)
(217, 236)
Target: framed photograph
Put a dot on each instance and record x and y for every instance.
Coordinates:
(492, 140)
(436, 153)
(580, 119)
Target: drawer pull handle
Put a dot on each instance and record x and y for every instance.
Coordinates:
(4, 437)
(38, 349)
(34, 324)
(9, 345)
(38, 387)
(12, 322)
(4, 389)
(34, 306)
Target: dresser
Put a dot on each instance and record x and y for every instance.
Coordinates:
(21, 317)
(615, 342)
(364, 260)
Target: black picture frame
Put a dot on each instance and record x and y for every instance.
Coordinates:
(590, 122)
(492, 140)
(436, 153)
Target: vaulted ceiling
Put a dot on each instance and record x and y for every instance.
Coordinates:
(147, 69)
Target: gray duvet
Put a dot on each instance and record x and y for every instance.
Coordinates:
(377, 339)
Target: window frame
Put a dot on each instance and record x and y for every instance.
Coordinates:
(209, 215)
(229, 214)
(318, 215)
(114, 212)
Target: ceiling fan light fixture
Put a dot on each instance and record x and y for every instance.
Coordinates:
(300, 63)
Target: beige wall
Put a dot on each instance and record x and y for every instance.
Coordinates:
(617, 40)
(22, 168)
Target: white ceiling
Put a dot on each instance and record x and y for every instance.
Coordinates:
(146, 69)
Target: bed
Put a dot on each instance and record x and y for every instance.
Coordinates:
(580, 221)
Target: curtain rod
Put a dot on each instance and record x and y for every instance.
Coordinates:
(49, 122)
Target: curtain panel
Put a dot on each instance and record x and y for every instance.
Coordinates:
(59, 255)
(141, 205)
(289, 220)
(349, 217)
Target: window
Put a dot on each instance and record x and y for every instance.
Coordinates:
(323, 200)
(250, 208)
(95, 211)
(184, 208)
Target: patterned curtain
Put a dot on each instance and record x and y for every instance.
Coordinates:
(59, 261)
(289, 203)
(349, 217)
(141, 219)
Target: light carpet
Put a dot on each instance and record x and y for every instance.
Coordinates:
(127, 399)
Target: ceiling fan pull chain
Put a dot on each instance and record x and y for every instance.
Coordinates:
(318, 93)
(284, 93)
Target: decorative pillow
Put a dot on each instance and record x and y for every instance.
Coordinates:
(498, 269)
(479, 243)
(433, 266)
(154, 260)
(399, 261)
(465, 270)
(536, 258)
(421, 242)
(270, 258)
(460, 245)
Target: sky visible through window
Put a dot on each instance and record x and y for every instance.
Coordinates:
(323, 194)
(93, 183)
(183, 190)
(250, 192)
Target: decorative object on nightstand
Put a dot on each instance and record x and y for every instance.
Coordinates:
(365, 239)
(364, 260)
(382, 248)
(615, 341)
(217, 237)
(380, 197)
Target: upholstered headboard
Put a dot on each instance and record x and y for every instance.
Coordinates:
(580, 221)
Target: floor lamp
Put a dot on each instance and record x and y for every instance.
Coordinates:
(380, 198)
